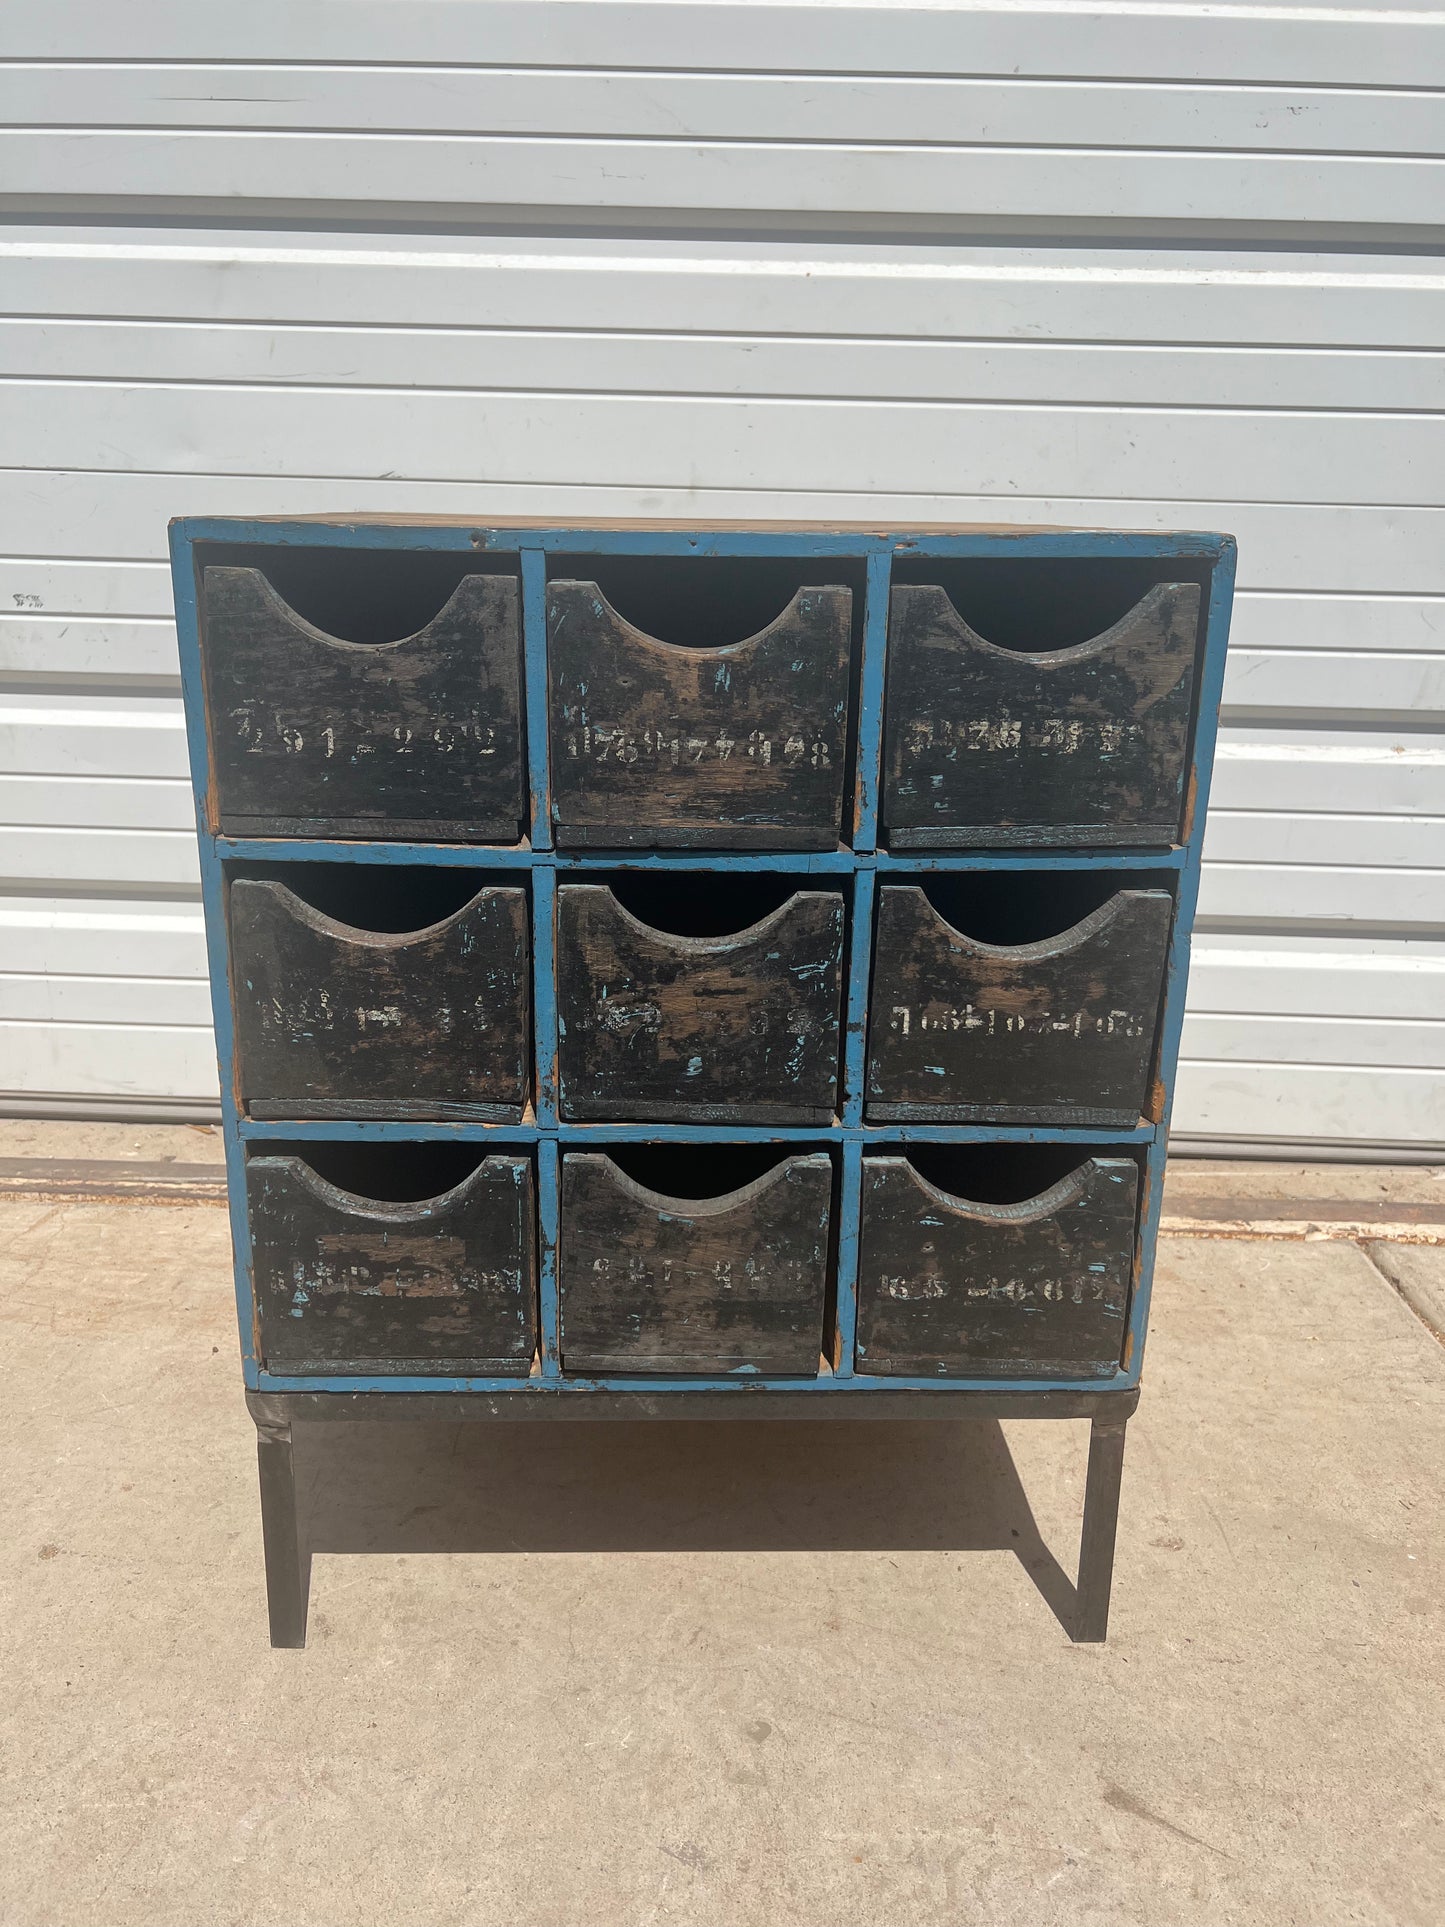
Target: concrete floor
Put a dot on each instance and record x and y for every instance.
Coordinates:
(799, 1676)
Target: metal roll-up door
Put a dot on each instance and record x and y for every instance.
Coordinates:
(1154, 268)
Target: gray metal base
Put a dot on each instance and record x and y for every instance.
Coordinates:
(288, 1558)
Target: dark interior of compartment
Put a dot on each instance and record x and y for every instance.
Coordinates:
(1001, 1173)
(696, 1170)
(1050, 603)
(1024, 906)
(380, 896)
(397, 1172)
(360, 595)
(714, 903)
(707, 602)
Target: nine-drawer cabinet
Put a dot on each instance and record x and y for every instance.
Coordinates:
(659, 956)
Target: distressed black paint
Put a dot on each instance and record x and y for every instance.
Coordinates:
(659, 1284)
(365, 1285)
(1056, 1032)
(972, 1290)
(333, 1021)
(699, 1028)
(995, 747)
(663, 746)
(313, 735)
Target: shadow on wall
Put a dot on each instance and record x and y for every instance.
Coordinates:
(719, 1487)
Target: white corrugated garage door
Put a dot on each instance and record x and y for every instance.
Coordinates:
(1124, 266)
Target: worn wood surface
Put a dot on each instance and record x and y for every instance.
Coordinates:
(658, 1026)
(989, 746)
(1057, 1032)
(659, 745)
(651, 1283)
(333, 1021)
(952, 1287)
(363, 1285)
(311, 734)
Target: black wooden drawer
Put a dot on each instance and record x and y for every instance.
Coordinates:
(335, 1018)
(660, 744)
(660, 1025)
(654, 1281)
(437, 1274)
(1054, 1031)
(992, 746)
(318, 735)
(951, 1285)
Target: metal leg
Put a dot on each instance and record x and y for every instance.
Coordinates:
(288, 1563)
(1101, 1516)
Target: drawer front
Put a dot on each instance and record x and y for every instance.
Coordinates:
(350, 1284)
(662, 746)
(1059, 1032)
(333, 1021)
(656, 1026)
(313, 735)
(994, 747)
(651, 1283)
(947, 1287)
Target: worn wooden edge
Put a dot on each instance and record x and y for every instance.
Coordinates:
(884, 1113)
(1142, 613)
(192, 527)
(1062, 944)
(632, 637)
(259, 581)
(479, 833)
(961, 1365)
(605, 834)
(391, 1210)
(674, 944)
(1033, 836)
(743, 1198)
(418, 1110)
(292, 904)
(1073, 1186)
(312, 1367)
(600, 1111)
(682, 1364)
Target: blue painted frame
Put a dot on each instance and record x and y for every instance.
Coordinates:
(532, 545)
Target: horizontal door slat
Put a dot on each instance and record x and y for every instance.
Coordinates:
(1356, 1104)
(79, 936)
(800, 445)
(559, 360)
(1188, 42)
(98, 1060)
(949, 110)
(406, 172)
(767, 289)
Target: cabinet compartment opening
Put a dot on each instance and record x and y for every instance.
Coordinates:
(369, 596)
(1000, 1173)
(1009, 907)
(698, 1171)
(399, 1171)
(701, 904)
(1054, 603)
(708, 602)
(385, 897)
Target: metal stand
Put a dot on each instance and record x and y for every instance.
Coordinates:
(1101, 1517)
(288, 1559)
(288, 1563)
